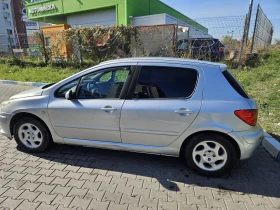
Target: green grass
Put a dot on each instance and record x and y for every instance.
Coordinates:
(262, 82)
(46, 74)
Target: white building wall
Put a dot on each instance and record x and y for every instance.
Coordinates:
(89, 19)
(6, 23)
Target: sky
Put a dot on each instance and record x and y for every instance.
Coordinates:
(218, 8)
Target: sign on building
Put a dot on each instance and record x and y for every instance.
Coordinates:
(42, 9)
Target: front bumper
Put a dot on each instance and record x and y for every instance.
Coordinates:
(248, 141)
(5, 124)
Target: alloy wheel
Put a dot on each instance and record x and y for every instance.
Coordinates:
(30, 135)
(209, 155)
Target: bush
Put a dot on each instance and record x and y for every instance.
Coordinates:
(252, 60)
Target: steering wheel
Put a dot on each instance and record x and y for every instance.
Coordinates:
(95, 87)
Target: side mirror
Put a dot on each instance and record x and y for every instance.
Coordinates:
(69, 95)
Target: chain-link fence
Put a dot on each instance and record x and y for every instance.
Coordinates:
(96, 43)
(156, 41)
(228, 30)
(102, 43)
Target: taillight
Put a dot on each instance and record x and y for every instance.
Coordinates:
(221, 49)
(249, 116)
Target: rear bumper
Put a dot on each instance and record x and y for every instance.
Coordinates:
(248, 141)
(5, 124)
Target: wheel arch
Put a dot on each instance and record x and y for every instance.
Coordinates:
(229, 138)
(20, 115)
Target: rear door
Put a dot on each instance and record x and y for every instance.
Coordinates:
(161, 105)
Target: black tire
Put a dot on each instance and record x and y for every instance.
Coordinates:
(46, 138)
(231, 154)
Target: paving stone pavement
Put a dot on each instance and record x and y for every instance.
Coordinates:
(70, 177)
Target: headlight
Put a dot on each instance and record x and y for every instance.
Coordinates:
(5, 103)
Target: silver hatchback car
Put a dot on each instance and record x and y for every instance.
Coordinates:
(164, 106)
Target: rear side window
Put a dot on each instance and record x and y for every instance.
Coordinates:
(165, 82)
(235, 84)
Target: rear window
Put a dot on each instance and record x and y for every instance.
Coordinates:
(235, 84)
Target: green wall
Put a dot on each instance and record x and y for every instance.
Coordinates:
(124, 9)
(65, 7)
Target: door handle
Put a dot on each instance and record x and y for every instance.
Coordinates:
(184, 111)
(108, 109)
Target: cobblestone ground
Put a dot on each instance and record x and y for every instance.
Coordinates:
(68, 177)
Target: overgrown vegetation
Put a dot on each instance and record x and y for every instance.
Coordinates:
(97, 44)
(262, 82)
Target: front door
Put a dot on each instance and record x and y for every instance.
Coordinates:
(94, 114)
(165, 102)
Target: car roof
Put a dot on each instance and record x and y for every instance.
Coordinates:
(166, 60)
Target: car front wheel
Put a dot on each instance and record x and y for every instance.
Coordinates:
(210, 154)
(31, 135)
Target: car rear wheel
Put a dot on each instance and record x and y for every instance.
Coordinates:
(31, 135)
(210, 154)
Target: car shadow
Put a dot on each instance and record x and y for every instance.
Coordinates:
(259, 175)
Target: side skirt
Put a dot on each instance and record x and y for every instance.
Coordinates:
(147, 149)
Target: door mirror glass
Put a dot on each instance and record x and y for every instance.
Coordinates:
(69, 95)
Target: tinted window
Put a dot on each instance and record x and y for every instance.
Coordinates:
(233, 82)
(165, 82)
(60, 93)
(107, 84)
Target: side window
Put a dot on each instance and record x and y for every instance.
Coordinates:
(165, 82)
(60, 93)
(121, 75)
(106, 77)
(109, 85)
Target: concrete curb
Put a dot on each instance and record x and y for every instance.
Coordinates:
(34, 84)
(272, 146)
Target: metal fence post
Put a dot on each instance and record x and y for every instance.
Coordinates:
(246, 30)
(249, 21)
